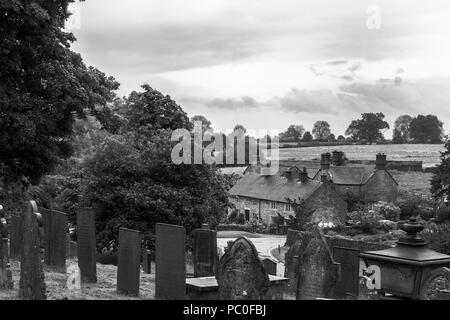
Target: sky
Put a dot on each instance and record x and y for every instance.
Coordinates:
(267, 64)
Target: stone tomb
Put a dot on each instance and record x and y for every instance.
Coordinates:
(205, 253)
(32, 284)
(241, 274)
(128, 262)
(86, 245)
(170, 262)
(15, 237)
(55, 227)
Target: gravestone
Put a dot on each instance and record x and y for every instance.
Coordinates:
(32, 284)
(128, 262)
(292, 263)
(15, 237)
(317, 271)
(292, 236)
(86, 245)
(349, 282)
(55, 226)
(170, 262)
(270, 265)
(241, 274)
(5, 270)
(147, 261)
(205, 253)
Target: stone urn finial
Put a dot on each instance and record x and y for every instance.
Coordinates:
(412, 228)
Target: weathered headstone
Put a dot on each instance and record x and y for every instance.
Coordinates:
(241, 274)
(146, 261)
(170, 262)
(55, 226)
(86, 245)
(270, 265)
(128, 262)
(205, 253)
(32, 284)
(317, 271)
(349, 283)
(15, 237)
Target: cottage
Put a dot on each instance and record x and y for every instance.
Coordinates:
(262, 197)
(370, 184)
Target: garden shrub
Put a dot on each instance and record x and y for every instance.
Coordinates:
(366, 221)
(438, 238)
(443, 214)
(388, 211)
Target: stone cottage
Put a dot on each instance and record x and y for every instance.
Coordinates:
(370, 184)
(262, 197)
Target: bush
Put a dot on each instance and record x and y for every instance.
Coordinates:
(388, 211)
(366, 221)
(438, 238)
(241, 218)
(414, 205)
(443, 214)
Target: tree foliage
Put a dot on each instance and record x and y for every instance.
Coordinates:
(293, 134)
(368, 128)
(43, 87)
(321, 130)
(401, 132)
(426, 129)
(440, 183)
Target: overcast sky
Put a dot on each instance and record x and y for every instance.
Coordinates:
(267, 64)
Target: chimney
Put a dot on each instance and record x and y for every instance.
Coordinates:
(303, 176)
(381, 162)
(325, 161)
(324, 178)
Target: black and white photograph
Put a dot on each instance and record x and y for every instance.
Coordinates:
(224, 153)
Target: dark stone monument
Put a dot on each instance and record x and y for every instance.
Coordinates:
(147, 261)
(241, 274)
(128, 262)
(86, 245)
(270, 265)
(55, 226)
(5, 270)
(170, 262)
(205, 253)
(349, 283)
(318, 272)
(15, 237)
(292, 236)
(32, 284)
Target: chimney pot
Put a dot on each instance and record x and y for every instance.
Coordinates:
(325, 161)
(324, 178)
(381, 162)
(303, 176)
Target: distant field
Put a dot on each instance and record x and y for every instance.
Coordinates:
(429, 154)
(413, 182)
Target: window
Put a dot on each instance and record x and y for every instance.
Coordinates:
(287, 207)
(273, 205)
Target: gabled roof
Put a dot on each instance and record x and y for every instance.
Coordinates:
(350, 175)
(273, 188)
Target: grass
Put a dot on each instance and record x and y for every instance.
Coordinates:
(413, 182)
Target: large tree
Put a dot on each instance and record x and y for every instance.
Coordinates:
(294, 133)
(440, 183)
(426, 129)
(321, 130)
(368, 128)
(44, 86)
(401, 132)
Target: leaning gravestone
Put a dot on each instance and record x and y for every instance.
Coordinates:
(241, 274)
(55, 226)
(32, 284)
(170, 262)
(15, 237)
(86, 245)
(205, 253)
(128, 262)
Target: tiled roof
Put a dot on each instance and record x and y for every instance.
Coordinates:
(348, 175)
(273, 188)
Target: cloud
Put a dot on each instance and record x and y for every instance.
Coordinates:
(233, 104)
